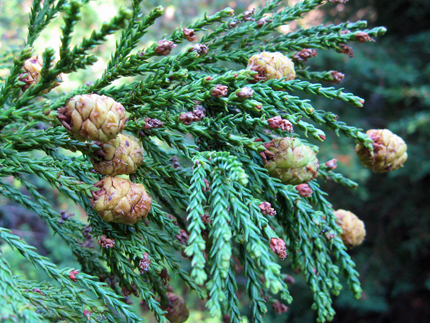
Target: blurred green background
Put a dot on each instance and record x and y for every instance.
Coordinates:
(392, 75)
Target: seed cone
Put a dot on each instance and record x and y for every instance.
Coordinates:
(389, 151)
(33, 67)
(291, 161)
(93, 117)
(122, 155)
(121, 201)
(353, 231)
(272, 66)
(177, 311)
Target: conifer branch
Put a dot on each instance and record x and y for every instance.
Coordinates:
(11, 82)
(317, 89)
(253, 286)
(232, 302)
(73, 15)
(197, 201)
(336, 245)
(40, 17)
(337, 177)
(98, 37)
(328, 41)
(13, 304)
(62, 277)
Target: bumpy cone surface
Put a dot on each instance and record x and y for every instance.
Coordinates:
(122, 155)
(353, 231)
(292, 162)
(389, 151)
(93, 117)
(272, 66)
(33, 67)
(121, 201)
(177, 311)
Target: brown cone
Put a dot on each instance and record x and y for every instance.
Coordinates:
(93, 117)
(389, 151)
(33, 67)
(121, 201)
(353, 231)
(122, 155)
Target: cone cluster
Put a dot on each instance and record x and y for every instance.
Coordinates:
(102, 119)
(291, 161)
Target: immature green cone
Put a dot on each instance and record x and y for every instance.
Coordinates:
(272, 66)
(353, 231)
(122, 155)
(291, 161)
(33, 67)
(121, 201)
(177, 310)
(93, 117)
(389, 151)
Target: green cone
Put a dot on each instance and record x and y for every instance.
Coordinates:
(292, 162)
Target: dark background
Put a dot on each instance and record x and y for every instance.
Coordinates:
(393, 77)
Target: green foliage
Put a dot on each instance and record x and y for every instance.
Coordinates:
(222, 174)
